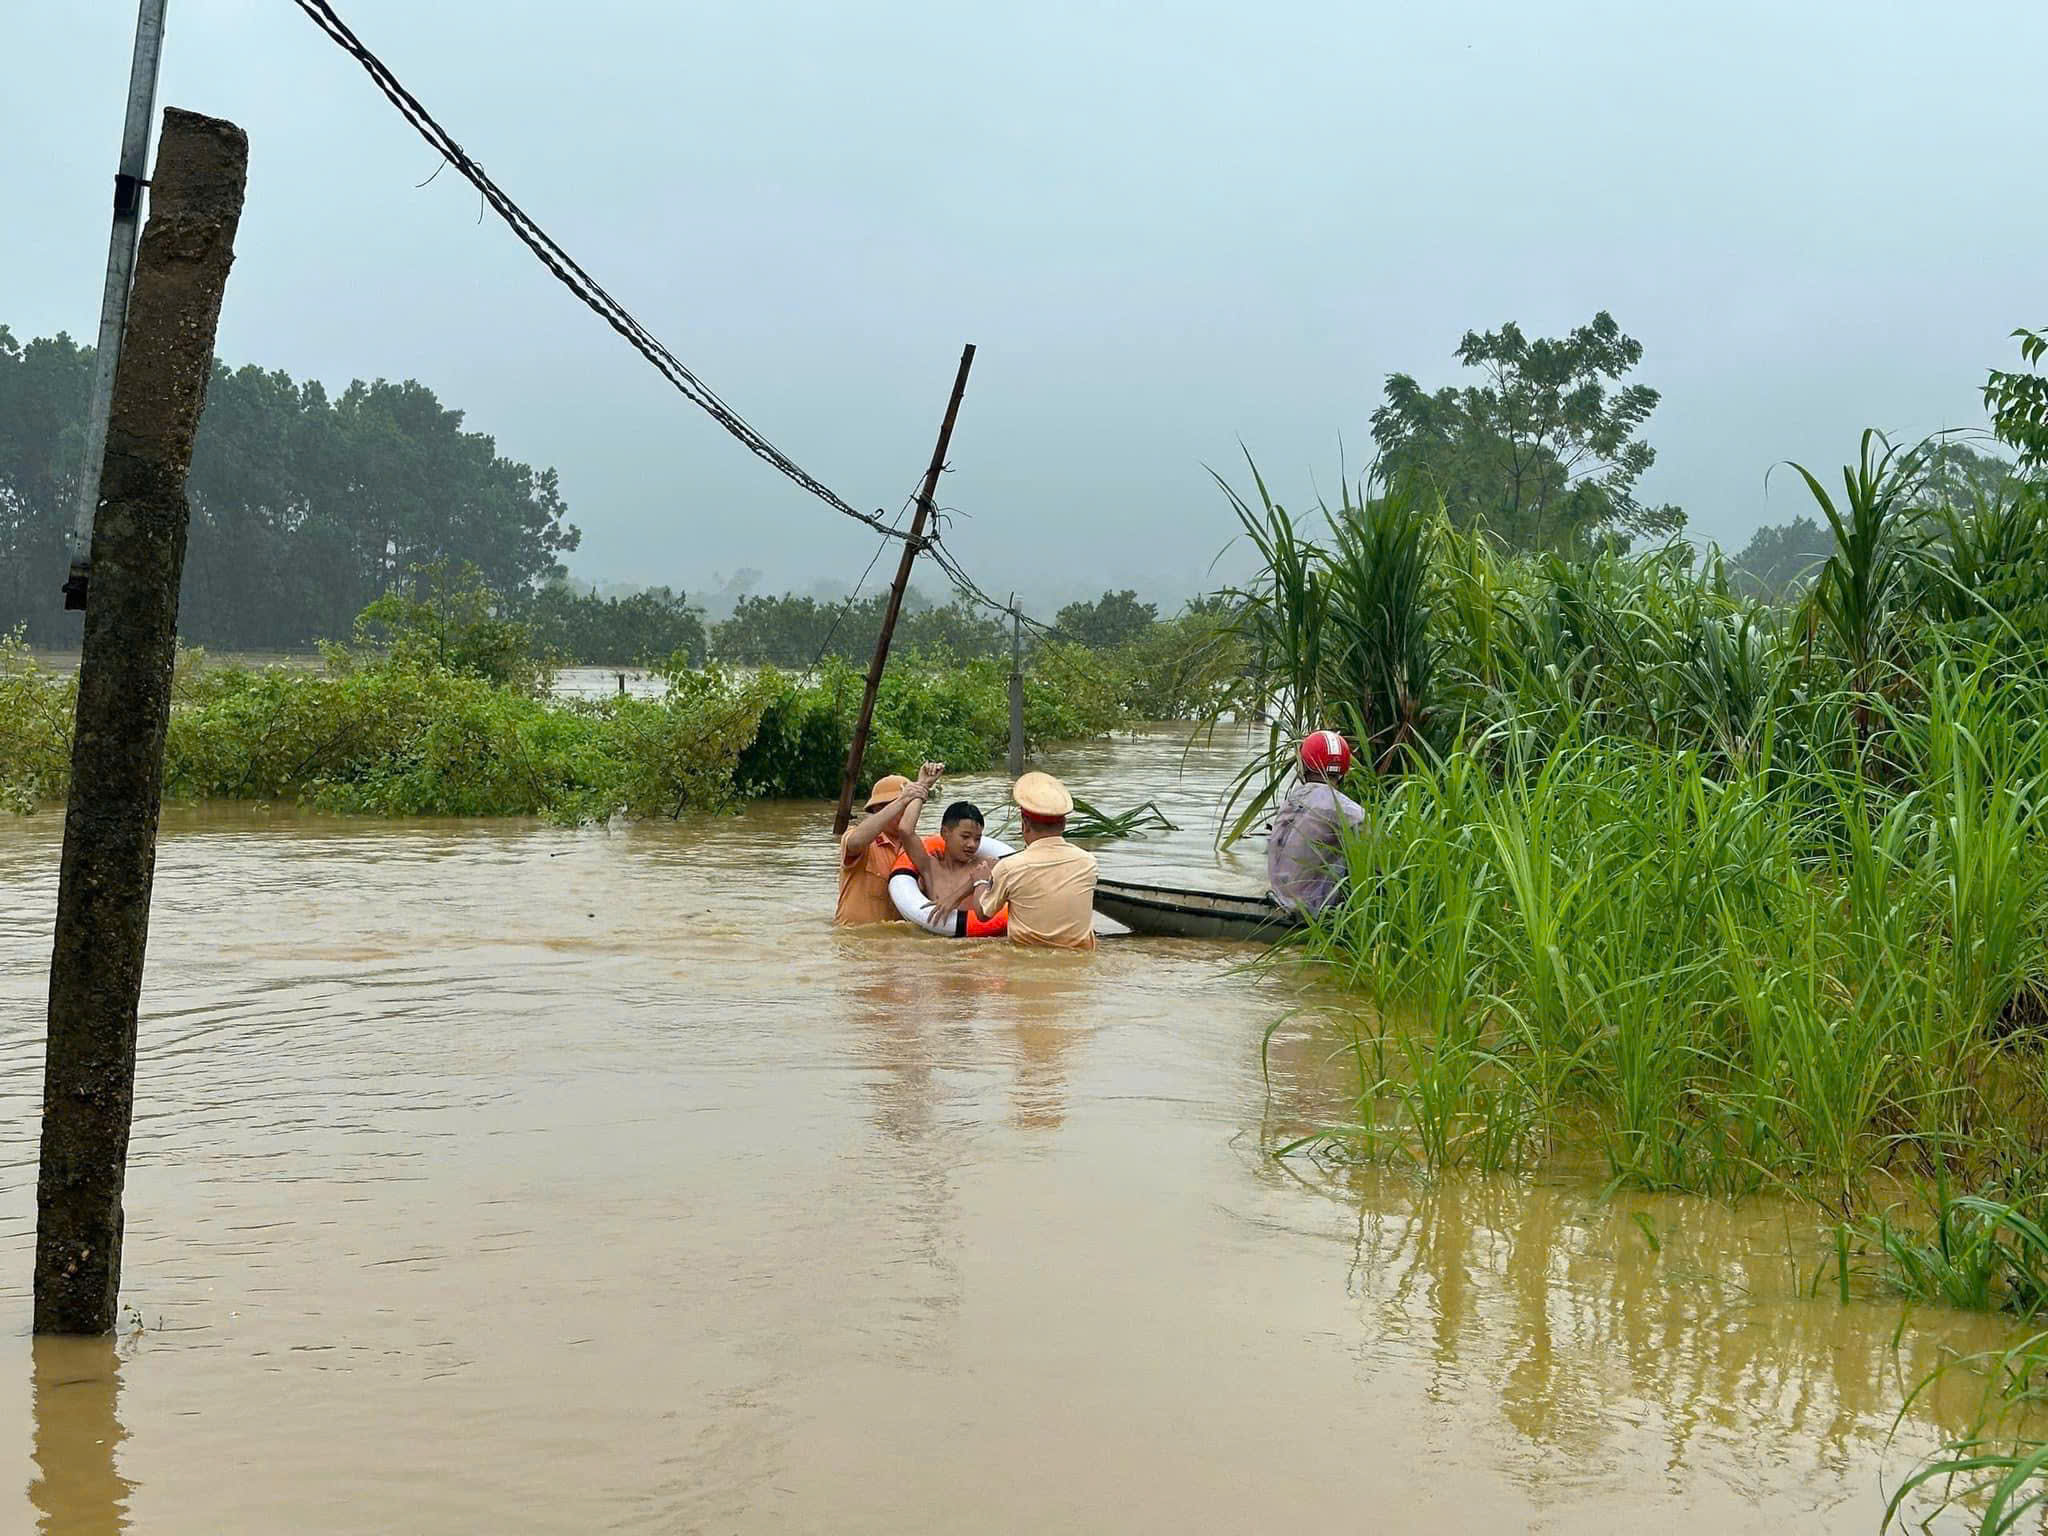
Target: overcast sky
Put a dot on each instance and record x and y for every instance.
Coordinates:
(1168, 227)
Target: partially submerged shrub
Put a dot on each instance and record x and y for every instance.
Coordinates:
(678, 754)
(36, 708)
(443, 619)
(404, 735)
(396, 739)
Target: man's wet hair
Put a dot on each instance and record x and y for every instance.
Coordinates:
(959, 811)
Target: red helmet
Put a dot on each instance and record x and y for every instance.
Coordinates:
(1325, 754)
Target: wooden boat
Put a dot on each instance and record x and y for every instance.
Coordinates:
(1170, 912)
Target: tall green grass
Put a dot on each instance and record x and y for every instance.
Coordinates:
(1705, 972)
(1703, 893)
(1691, 892)
(1337, 633)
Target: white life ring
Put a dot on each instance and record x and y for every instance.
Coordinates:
(915, 908)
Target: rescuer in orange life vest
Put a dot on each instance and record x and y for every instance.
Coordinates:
(869, 850)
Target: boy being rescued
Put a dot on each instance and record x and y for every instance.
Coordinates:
(953, 863)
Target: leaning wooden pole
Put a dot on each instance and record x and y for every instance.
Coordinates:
(926, 492)
(124, 705)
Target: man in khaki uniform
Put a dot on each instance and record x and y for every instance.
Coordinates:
(1049, 887)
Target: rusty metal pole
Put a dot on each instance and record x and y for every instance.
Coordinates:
(124, 708)
(858, 749)
(128, 184)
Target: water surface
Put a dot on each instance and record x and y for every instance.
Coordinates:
(489, 1176)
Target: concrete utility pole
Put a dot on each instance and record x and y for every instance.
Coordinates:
(855, 752)
(1016, 759)
(128, 184)
(124, 707)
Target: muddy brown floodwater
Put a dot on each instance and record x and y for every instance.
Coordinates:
(495, 1177)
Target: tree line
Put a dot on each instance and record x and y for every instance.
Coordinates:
(799, 632)
(307, 508)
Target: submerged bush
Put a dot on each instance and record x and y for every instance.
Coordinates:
(407, 735)
(679, 753)
(36, 708)
(799, 747)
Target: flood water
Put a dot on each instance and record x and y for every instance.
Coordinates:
(493, 1177)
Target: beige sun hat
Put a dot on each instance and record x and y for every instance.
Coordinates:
(887, 788)
(1042, 796)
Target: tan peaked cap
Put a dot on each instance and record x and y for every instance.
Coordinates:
(1043, 796)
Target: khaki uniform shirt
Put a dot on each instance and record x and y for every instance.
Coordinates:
(1049, 888)
(864, 883)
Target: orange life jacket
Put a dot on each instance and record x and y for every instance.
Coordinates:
(933, 845)
(978, 927)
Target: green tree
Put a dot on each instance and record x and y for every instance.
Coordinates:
(1113, 619)
(269, 564)
(1781, 557)
(419, 489)
(1545, 453)
(797, 632)
(1963, 477)
(584, 629)
(958, 631)
(2018, 403)
(443, 618)
(304, 509)
(44, 389)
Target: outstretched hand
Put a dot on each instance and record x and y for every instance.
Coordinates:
(928, 775)
(967, 896)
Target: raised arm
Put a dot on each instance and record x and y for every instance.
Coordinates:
(913, 845)
(899, 814)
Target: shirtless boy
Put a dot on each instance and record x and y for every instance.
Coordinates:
(958, 860)
(951, 864)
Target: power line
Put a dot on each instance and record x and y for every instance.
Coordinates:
(579, 282)
(854, 596)
(847, 607)
(967, 587)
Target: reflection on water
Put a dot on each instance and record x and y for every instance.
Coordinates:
(78, 1489)
(924, 1003)
(1587, 1324)
(1556, 1306)
(494, 1176)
